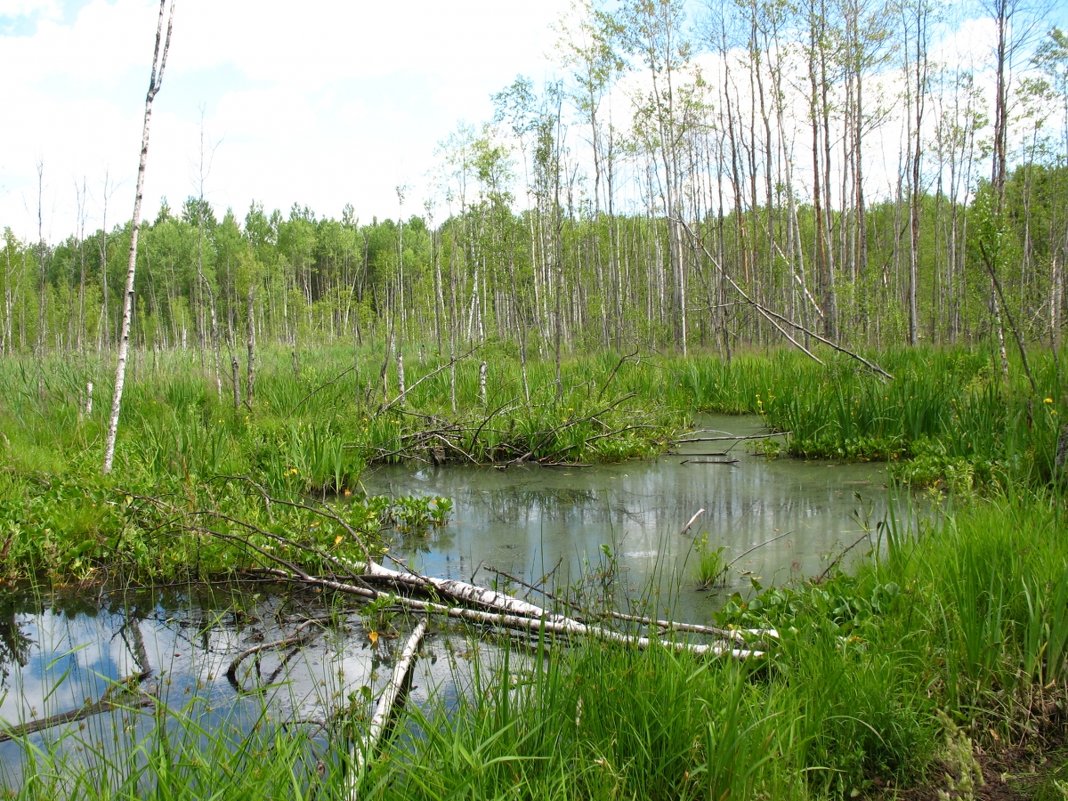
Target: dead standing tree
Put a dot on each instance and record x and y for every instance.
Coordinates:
(159, 62)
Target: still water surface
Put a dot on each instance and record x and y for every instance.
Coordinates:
(776, 520)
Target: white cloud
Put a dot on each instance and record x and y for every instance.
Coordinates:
(321, 103)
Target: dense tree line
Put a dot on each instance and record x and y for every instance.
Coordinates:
(681, 164)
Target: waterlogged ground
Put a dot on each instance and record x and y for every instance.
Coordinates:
(616, 528)
(776, 520)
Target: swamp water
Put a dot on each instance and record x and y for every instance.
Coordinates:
(776, 520)
(613, 530)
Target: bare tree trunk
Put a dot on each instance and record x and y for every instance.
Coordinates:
(9, 302)
(1056, 298)
(80, 335)
(207, 288)
(250, 378)
(235, 372)
(42, 274)
(159, 63)
(104, 334)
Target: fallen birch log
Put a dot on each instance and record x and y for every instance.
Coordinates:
(497, 609)
(557, 624)
(741, 636)
(461, 591)
(496, 601)
(363, 751)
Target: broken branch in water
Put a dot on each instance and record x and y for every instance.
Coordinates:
(756, 547)
(449, 597)
(693, 519)
(741, 636)
(301, 638)
(363, 751)
(120, 696)
(729, 437)
(549, 623)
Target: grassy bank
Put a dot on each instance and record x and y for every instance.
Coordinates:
(887, 678)
(320, 417)
(909, 673)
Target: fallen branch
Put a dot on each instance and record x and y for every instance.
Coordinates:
(461, 591)
(296, 641)
(385, 407)
(398, 685)
(552, 432)
(729, 438)
(126, 694)
(615, 370)
(741, 636)
(838, 559)
(321, 387)
(693, 519)
(562, 625)
(462, 600)
(756, 547)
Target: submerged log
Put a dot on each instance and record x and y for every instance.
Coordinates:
(126, 694)
(302, 637)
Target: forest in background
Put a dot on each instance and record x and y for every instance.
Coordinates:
(688, 175)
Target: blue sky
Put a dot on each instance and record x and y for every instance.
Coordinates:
(321, 103)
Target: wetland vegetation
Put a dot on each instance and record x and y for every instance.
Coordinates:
(677, 265)
(950, 640)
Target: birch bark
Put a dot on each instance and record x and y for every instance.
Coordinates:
(159, 62)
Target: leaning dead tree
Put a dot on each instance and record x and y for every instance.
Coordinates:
(779, 321)
(159, 62)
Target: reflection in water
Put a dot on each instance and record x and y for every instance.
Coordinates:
(523, 520)
(614, 528)
(14, 643)
(180, 645)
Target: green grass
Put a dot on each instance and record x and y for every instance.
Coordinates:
(946, 420)
(949, 639)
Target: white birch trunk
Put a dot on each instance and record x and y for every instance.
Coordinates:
(398, 682)
(250, 378)
(1055, 301)
(159, 62)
